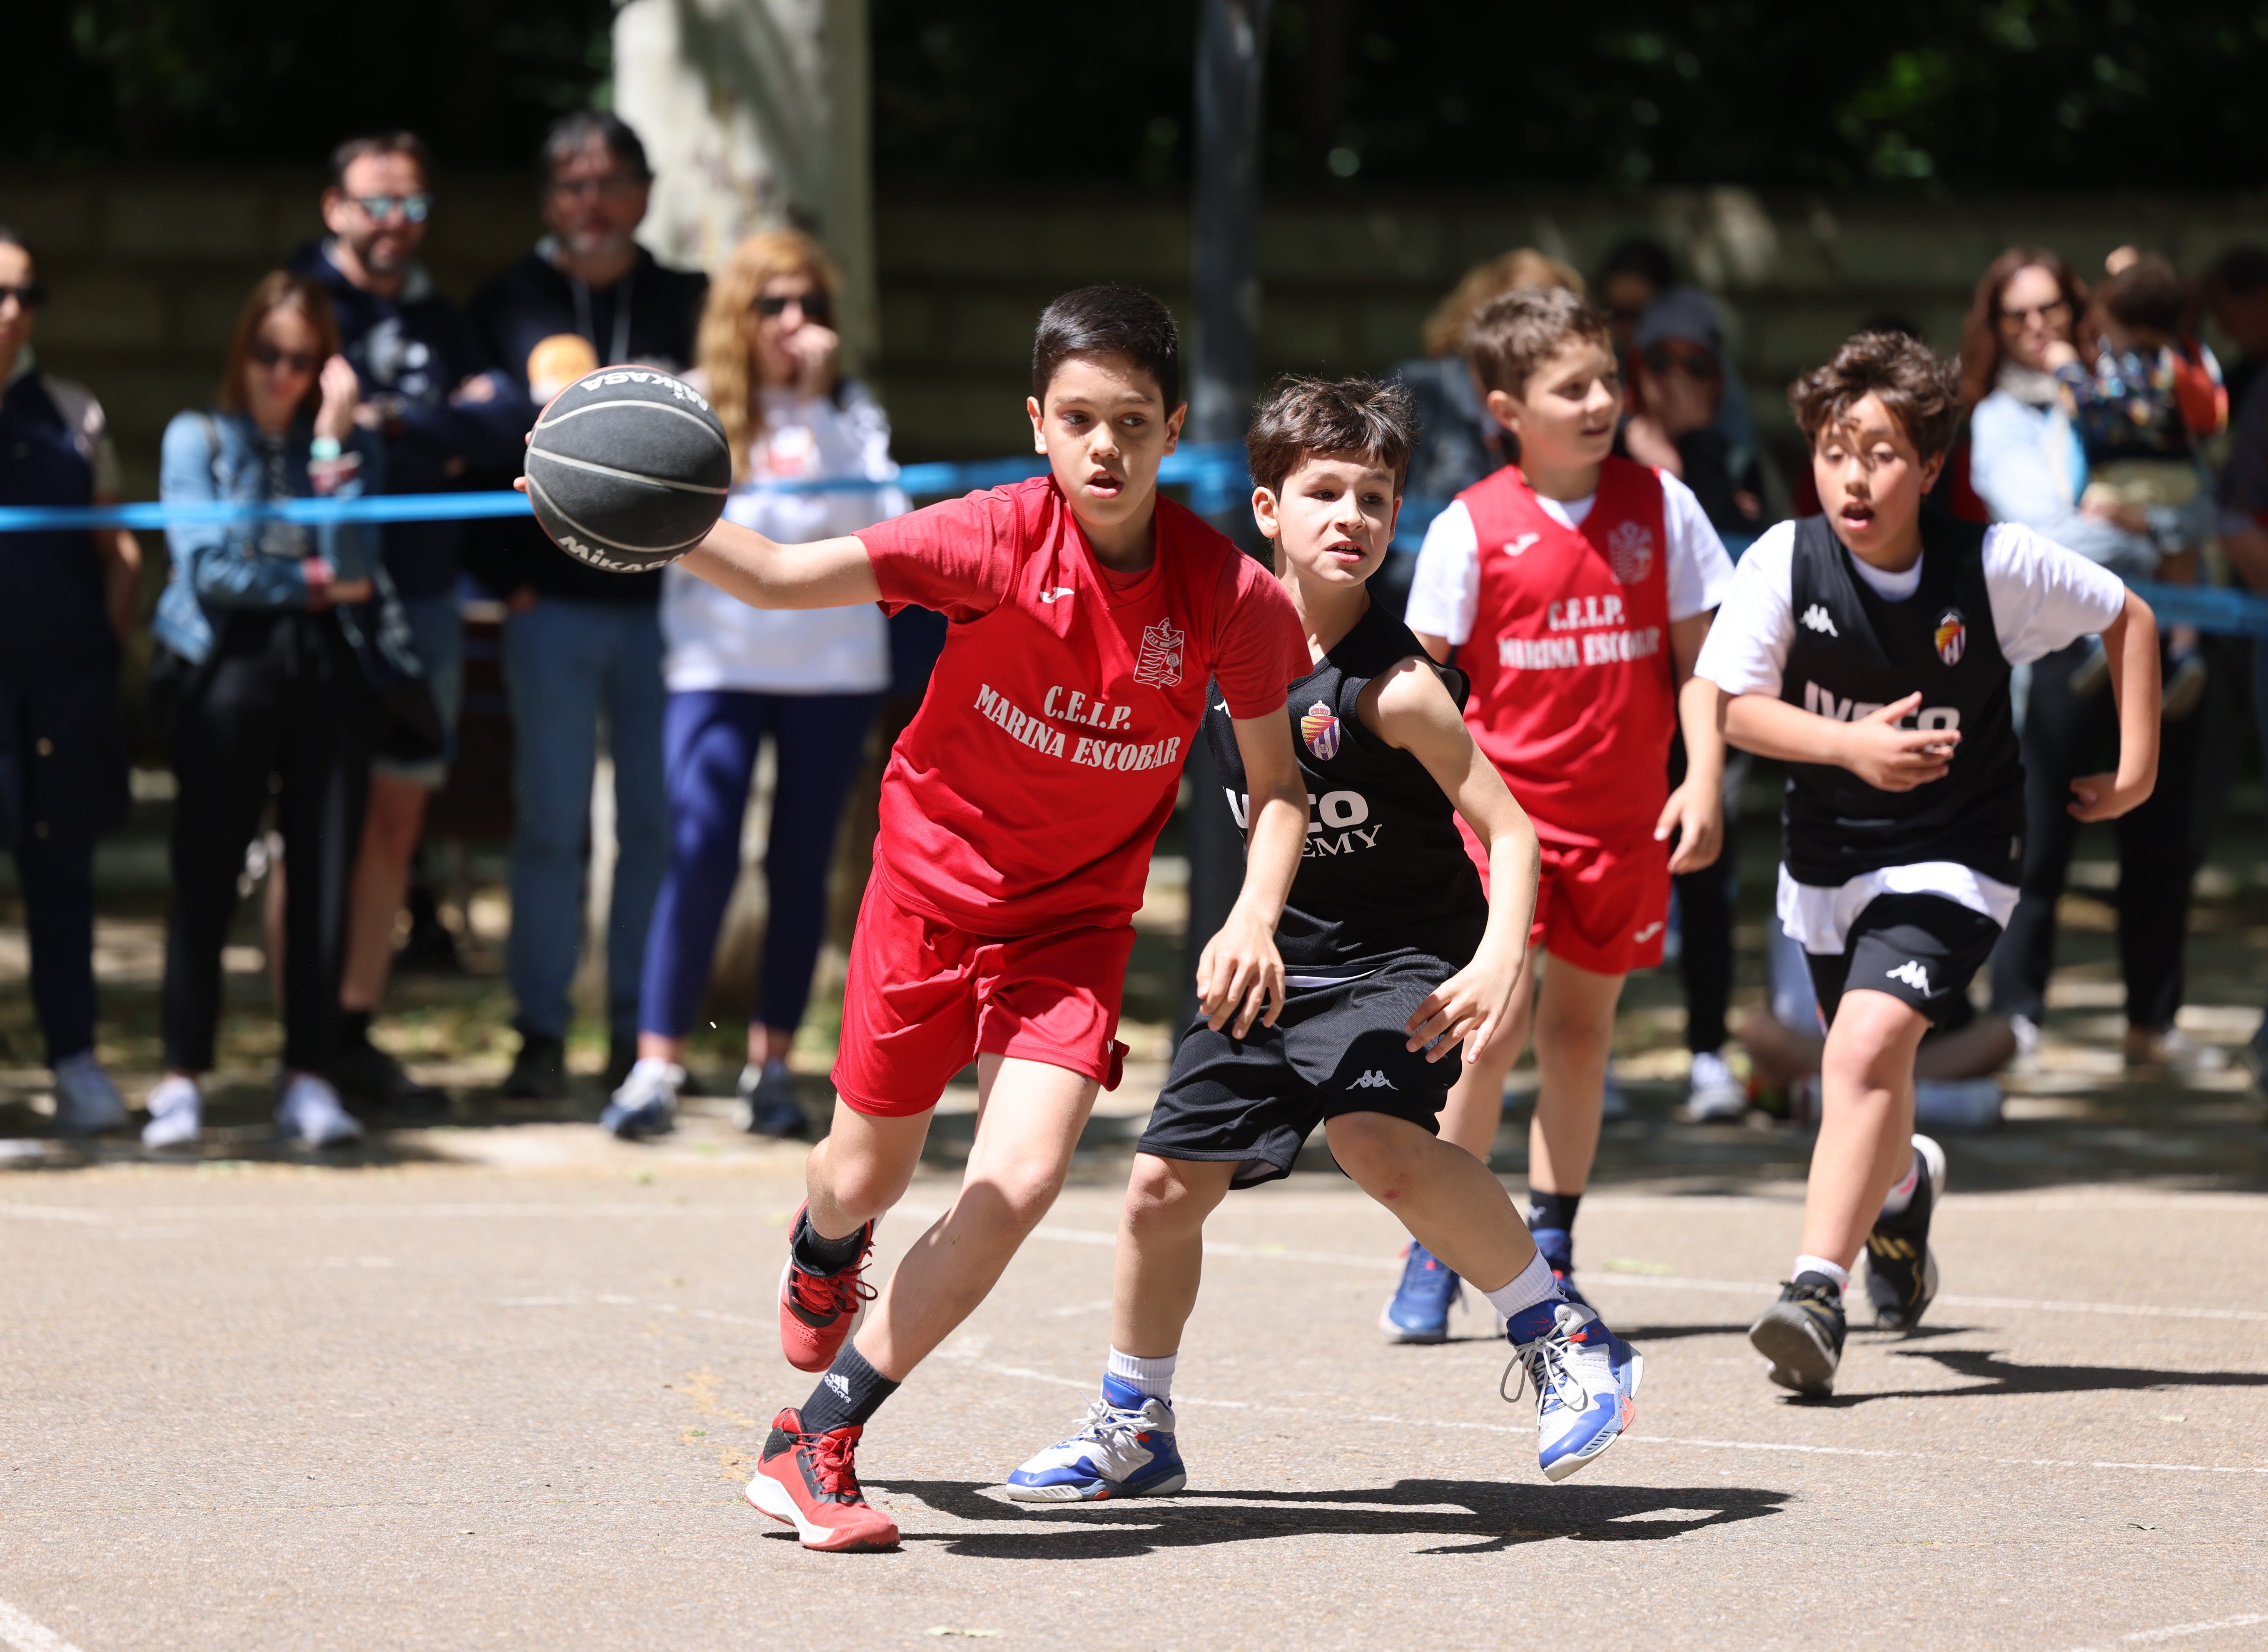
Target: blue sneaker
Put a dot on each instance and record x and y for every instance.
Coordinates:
(1557, 1246)
(1586, 1380)
(1126, 1449)
(646, 1105)
(1419, 1311)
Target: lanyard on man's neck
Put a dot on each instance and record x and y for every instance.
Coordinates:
(588, 329)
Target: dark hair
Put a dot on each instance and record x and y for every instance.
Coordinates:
(280, 289)
(1517, 331)
(572, 133)
(2147, 293)
(1981, 349)
(10, 237)
(1108, 320)
(2239, 271)
(1314, 418)
(1643, 256)
(356, 149)
(1913, 382)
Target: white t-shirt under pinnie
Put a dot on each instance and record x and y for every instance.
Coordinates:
(2044, 598)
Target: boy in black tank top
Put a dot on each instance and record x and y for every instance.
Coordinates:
(1869, 650)
(1393, 959)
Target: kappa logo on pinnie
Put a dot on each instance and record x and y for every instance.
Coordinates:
(1321, 730)
(1373, 1080)
(1816, 618)
(1912, 974)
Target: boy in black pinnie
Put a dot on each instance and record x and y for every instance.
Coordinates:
(1394, 959)
(1869, 648)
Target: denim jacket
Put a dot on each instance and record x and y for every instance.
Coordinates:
(249, 565)
(2027, 466)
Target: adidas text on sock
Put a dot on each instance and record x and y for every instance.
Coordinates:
(849, 1394)
(1152, 1377)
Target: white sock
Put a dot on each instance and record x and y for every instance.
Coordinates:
(1902, 1195)
(1531, 1285)
(1835, 1271)
(1153, 1377)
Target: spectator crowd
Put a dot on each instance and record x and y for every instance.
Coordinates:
(308, 681)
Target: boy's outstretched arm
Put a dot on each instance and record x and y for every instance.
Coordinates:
(1872, 747)
(2131, 644)
(824, 574)
(1695, 810)
(1409, 707)
(1238, 973)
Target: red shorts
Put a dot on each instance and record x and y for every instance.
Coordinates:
(1601, 909)
(923, 999)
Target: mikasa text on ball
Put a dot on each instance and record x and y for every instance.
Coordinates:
(628, 468)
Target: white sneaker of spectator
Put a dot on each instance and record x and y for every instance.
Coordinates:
(86, 1102)
(311, 1113)
(177, 1113)
(1713, 1094)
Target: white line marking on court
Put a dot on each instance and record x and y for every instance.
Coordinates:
(26, 1634)
(2175, 1632)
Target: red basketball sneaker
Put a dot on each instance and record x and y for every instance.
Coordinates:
(810, 1482)
(818, 1311)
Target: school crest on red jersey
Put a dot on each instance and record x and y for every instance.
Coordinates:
(1629, 552)
(1951, 636)
(1321, 730)
(1160, 664)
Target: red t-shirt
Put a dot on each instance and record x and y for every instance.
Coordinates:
(1574, 693)
(1027, 792)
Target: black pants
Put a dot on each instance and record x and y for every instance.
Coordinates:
(282, 708)
(2064, 737)
(1704, 921)
(57, 876)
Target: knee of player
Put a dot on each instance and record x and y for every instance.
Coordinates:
(1383, 1154)
(1160, 1199)
(1872, 1041)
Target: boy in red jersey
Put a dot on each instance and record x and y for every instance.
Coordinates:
(1576, 588)
(1017, 813)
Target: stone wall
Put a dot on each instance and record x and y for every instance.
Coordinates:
(148, 269)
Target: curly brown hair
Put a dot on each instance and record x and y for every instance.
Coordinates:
(1912, 381)
(1305, 418)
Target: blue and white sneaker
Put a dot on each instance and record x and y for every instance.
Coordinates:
(1127, 1449)
(1419, 1311)
(1557, 1247)
(646, 1103)
(1586, 1380)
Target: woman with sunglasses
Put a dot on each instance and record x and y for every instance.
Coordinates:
(67, 598)
(2026, 463)
(271, 698)
(811, 681)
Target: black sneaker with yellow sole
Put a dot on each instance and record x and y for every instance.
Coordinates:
(1801, 1335)
(1901, 1270)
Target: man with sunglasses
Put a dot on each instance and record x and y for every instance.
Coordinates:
(583, 646)
(443, 416)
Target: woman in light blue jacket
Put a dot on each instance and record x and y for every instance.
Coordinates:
(267, 694)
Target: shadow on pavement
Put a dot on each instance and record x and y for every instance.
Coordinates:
(1991, 1373)
(1495, 1515)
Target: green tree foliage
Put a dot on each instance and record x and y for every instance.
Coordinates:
(1929, 94)
(283, 80)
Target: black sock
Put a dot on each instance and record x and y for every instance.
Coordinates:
(1552, 1210)
(851, 1392)
(825, 1256)
(353, 1027)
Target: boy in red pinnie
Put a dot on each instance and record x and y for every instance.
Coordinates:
(1575, 588)
(1017, 813)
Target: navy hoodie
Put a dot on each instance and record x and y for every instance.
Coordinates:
(412, 351)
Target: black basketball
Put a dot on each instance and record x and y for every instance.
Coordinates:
(628, 468)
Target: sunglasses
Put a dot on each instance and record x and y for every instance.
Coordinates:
(1695, 366)
(815, 306)
(267, 356)
(31, 295)
(2045, 311)
(413, 209)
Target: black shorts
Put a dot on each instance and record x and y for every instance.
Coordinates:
(1335, 1049)
(1924, 948)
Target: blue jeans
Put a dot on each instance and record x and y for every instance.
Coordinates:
(712, 735)
(567, 663)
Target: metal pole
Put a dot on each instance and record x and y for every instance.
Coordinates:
(1231, 60)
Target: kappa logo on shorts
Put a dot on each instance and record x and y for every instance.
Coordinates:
(1816, 618)
(1647, 933)
(1912, 974)
(1161, 662)
(1629, 552)
(1321, 730)
(1373, 1080)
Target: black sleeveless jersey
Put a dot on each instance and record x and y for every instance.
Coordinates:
(1385, 872)
(1855, 652)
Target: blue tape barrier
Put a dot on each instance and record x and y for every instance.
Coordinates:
(1215, 467)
